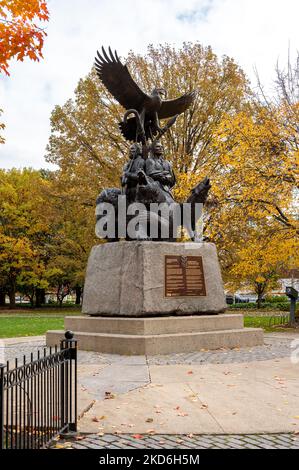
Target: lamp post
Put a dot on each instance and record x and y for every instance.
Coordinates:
(293, 296)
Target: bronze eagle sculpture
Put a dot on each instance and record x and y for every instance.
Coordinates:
(148, 109)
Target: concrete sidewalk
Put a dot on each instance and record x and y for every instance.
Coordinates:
(143, 397)
(243, 391)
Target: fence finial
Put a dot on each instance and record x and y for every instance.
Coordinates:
(68, 335)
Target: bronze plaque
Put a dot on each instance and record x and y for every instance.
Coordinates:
(184, 276)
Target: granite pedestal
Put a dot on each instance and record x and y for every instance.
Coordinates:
(128, 310)
(127, 279)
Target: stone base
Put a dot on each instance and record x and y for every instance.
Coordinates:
(159, 335)
(127, 279)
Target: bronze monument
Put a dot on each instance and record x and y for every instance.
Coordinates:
(146, 293)
(148, 177)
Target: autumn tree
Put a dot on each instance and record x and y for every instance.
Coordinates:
(259, 182)
(25, 232)
(20, 32)
(259, 260)
(74, 238)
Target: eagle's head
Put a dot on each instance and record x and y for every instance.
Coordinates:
(161, 92)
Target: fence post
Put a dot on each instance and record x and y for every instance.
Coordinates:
(2, 366)
(68, 394)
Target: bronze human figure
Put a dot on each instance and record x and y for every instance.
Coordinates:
(160, 170)
(129, 178)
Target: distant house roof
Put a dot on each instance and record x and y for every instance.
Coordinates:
(289, 273)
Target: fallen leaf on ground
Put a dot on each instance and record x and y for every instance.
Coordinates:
(138, 436)
(149, 420)
(64, 446)
(109, 395)
(97, 420)
(190, 372)
(204, 405)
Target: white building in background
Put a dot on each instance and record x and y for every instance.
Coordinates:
(289, 278)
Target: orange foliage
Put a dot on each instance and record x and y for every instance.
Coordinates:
(20, 35)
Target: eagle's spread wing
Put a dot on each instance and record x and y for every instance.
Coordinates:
(117, 79)
(170, 108)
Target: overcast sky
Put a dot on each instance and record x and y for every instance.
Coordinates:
(254, 32)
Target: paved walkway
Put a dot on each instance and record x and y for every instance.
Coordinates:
(179, 441)
(277, 345)
(242, 391)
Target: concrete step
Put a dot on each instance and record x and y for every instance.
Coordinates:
(154, 325)
(129, 344)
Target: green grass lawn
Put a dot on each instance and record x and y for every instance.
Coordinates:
(28, 325)
(38, 322)
(263, 322)
(32, 322)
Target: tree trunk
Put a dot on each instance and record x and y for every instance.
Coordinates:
(2, 299)
(40, 297)
(78, 290)
(260, 291)
(12, 298)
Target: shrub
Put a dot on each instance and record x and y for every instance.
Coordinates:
(276, 299)
(283, 306)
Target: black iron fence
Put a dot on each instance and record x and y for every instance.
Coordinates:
(277, 320)
(38, 397)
